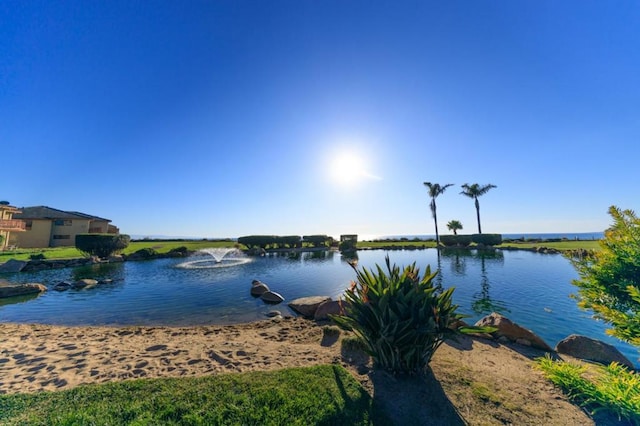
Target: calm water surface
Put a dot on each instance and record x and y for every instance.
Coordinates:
(531, 289)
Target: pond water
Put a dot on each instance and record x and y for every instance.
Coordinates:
(531, 289)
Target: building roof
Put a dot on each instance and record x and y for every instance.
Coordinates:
(44, 212)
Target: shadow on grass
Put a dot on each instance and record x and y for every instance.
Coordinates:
(414, 400)
(405, 400)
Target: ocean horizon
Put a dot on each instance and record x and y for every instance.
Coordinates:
(588, 236)
(584, 236)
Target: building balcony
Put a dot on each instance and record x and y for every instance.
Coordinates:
(12, 225)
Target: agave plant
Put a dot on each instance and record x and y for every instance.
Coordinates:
(401, 318)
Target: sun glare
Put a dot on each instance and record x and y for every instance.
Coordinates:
(349, 169)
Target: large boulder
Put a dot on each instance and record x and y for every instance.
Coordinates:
(11, 290)
(512, 332)
(85, 282)
(258, 287)
(590, 349)
(62, 286)
(271, 297)
(12, 266)
(329, 307)
(307, 306)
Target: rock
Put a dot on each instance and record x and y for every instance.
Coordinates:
(512, 331)
(271, 297)
(592, 350)
(307, 306)
(62, 286)
(272, 314)
(258, 288)
(13, 265)
(11, 290)
(85, 282)
(116, 258)
(329, 307)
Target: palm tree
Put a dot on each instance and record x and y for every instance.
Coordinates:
(435, 189)
(454, 225)
(474, 191)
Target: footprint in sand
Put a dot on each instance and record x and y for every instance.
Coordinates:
(218, 358)
(68, 347)
(156, 348)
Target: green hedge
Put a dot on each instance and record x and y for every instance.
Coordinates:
(317, 240)
(455, 240)
(257, 241)
(101, 245)
(487, 239)
(287, 241)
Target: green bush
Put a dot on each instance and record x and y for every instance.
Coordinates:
(37, 256)
(101, 245)
(145, 253)
(257, 241)
(179, 251)
(348, 246)
(289, 241)
(455, 240)
(330, 331)
(401, 318)
(317, 240)
(487, 239)
(353, 343)
(609, 283)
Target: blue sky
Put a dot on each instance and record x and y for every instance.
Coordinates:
(230, 118)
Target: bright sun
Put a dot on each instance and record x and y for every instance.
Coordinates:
(349, 169)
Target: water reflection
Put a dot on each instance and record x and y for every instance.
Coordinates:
(318, 255)
(350, 257)
(482, 303)
(100, 271)
(18, 299)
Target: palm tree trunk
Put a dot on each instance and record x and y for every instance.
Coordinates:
(435, 220)
(478, 215)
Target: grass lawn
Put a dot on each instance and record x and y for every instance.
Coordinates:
(73, 253)
(560, 245)
(322, 395)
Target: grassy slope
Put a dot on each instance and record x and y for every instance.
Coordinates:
(325, 394)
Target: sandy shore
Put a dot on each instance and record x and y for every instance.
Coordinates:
(42, 357)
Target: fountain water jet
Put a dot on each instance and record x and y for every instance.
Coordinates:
(219, 258)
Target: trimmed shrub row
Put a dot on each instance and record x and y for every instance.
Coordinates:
(288, 241)
(465, 240)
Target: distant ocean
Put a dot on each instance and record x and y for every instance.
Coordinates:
(568, 236)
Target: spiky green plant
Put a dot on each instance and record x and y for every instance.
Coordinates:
(401, 318)
(612, 389)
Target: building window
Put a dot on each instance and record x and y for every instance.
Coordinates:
(60, 222)
(61, 237)
(28, 224)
